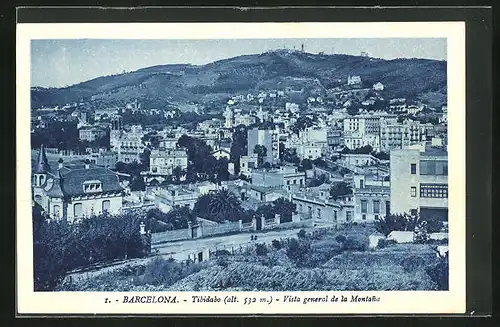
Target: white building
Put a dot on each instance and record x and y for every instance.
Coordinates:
(74, 192)
(378, 86)
(353, 80)
(163, 162)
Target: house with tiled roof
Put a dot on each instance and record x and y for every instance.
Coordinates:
(76, 191)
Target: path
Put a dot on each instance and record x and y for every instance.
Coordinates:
(181, 249)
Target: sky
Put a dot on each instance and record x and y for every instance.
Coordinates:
(58, 63)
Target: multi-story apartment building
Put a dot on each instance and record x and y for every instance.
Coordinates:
(163, 162)
(399, 135)
(267, 138)
(130, 146)
(419, 181)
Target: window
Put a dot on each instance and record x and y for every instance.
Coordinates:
(413, 212)
(434, 167)
(288, 182)
(56, 211)
(376, 217)
(387, 207)
(105, 205)
(413, 169)
(361, 184)
(77, 209)
(364, 206)
(433, 190)
(348, 215)
(363, 217)
(413, 191)
(335, 215)
(376, 206)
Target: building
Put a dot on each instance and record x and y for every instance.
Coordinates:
(75, 192)
(286, 177)
(106, 159)
(163, 162)
(130, 145)
(334, 138)
(168, 143)
(229, 117)
(91, 133)
(265, 138)
(378, 86)
(311, 150)
(353, 80)
(116, 131)
(419, 181)
(370, 201)
(175, 196)
(247, 164)
(395, 135)
(358, 160)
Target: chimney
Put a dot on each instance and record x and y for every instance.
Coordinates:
(60, 161)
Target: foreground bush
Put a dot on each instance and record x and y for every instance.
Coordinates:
(260, 249)
(60, 247)
(356, 243)
(440, 273)
(297, 251)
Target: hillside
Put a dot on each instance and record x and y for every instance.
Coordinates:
(159, 86)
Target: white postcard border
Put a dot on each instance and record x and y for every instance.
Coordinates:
(406, 302)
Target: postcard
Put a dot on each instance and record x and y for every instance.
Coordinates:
(241, 168)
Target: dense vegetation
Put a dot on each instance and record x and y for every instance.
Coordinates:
(319, 260)
(59, 246)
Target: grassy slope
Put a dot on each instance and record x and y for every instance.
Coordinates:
(398, 267)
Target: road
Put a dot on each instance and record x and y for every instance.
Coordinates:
(180, 250)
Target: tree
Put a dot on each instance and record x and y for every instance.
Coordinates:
(285, 208)
(306, 164)
(340, 189)
(396, 222)
(367, 149)
(261, 152)
(219, 206)
(138, 184)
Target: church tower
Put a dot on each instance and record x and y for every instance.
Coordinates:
(115, 133)
(229, 115)
(42, 168)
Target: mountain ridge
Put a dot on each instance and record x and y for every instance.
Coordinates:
(163, 85)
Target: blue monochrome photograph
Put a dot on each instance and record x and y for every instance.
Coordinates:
(239, 164)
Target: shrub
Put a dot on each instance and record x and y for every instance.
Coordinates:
(302, 233)
(439, 273)
(340, 238)
(382, 243)
(356, 243)
(412, 263)
(297, 251)
(276, 244)
(219, 253)
(261, 249)
(222, 262)
(167, 272)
